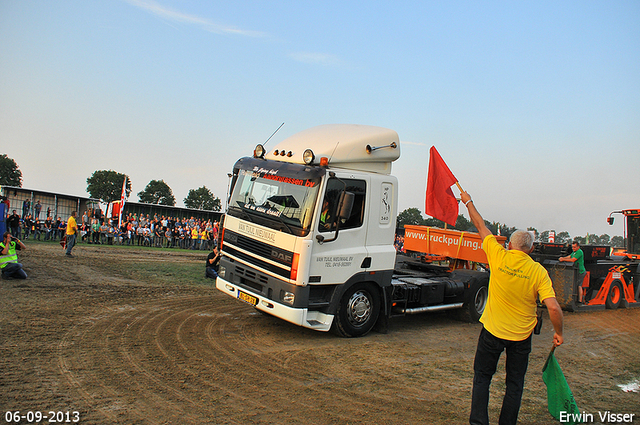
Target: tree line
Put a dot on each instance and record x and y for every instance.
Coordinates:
(413, 216)
(106, 185)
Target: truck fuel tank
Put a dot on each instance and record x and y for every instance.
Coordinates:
(427, 291)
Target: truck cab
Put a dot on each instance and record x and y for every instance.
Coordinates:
(631, 232)
(309, 231)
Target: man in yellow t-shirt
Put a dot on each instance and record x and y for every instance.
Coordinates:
(72, 231)
(515, 283)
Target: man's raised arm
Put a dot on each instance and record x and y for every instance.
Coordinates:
(475, 216)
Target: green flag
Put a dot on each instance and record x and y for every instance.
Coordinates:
(562, 405)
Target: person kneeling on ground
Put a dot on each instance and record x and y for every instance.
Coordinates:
(213, 261)
(9, 258)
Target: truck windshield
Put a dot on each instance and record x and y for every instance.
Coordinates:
(277, 195)
(633, 234)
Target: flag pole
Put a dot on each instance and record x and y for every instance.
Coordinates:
(461, 190)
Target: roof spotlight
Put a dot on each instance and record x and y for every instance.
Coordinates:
(259, 152)
(308, 157)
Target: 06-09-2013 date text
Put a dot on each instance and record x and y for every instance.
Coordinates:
(37, 416)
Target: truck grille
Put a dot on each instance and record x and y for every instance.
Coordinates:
(240, 246)
(250, 278)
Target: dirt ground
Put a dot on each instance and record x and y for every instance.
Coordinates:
(86, 335)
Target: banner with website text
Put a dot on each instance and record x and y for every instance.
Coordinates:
(449, 243)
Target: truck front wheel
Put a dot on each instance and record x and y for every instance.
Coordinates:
(358, 310)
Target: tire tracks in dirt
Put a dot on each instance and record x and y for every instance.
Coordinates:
(198, 360)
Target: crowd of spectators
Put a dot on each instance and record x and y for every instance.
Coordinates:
(143, 230)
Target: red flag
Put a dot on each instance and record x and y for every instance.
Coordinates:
(122, 199)
(440, 201)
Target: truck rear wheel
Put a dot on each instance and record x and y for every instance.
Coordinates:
(478, 301)
(358, 310)
(614, 296)
(475, 300)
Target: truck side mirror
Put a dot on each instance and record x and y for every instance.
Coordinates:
(610, 220)
(346, 206)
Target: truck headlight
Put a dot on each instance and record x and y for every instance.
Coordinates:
(222, 271)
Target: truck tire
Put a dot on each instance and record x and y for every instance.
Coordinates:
(358, 310)
(614, 297)
(478, 302)
(475, 300)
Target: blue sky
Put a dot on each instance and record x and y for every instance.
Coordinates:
(534, 105)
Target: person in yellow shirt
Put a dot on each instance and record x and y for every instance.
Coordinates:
(194, 237)
(203, 239)
(72, 231)
(515, 284)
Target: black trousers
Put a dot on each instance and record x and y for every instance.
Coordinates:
(487, 355)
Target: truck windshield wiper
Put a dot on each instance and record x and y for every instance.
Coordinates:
(243, 212)
(285, 225)
(279, 218)
(248, 216)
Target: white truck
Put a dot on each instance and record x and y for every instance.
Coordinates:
(309, 236)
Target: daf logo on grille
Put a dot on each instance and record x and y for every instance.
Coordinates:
(281, 256)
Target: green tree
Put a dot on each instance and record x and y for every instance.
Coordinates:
(202, 199)
(107, 185)
(433, 222)
(581, 240)
(410, 216)
(500, 229)
(157, 192)
(10, 174)
(507, 231)
(414, 217)
(617, 241)
(593, 240)
(463, 224)
(563, 237)
(604, 240)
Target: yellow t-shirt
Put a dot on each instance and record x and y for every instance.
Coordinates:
(72, 226)
(514, 284)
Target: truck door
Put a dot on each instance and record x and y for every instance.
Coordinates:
(338, 260)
